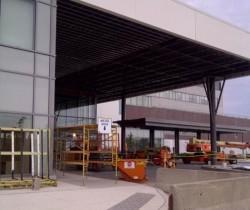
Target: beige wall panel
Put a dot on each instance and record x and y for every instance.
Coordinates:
(177, 18)
(122, 7)
(222, 35)
(167, 15)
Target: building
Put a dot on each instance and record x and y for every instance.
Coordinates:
(183, 106)
(58, 59)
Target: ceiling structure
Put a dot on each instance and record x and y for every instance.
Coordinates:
(106, 56)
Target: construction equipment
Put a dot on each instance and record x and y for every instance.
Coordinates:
(132, 169)
(84, 146)
(200, 151)
(164, 158)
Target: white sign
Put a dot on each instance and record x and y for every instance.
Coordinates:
(104, 125)
(129, 164)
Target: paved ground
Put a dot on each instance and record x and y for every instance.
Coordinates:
(97, 194)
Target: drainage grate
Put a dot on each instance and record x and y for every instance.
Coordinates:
(133, 202)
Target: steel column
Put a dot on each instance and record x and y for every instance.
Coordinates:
(151, 138)
(177, 141)
(198, 134)
(123, 129)
(210, 91)
(218, 136)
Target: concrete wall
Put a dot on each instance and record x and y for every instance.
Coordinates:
(208, 190)
(174, 17)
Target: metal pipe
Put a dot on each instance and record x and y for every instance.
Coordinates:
(48, 151)
(41, 132)
(21, 151)
(32, 154)
(38, 153)
(12, 154)
(0, 154)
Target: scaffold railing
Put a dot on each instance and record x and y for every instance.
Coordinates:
(24, 151)
(84, 146)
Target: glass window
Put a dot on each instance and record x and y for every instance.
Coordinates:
(139, 101)
(72, 110)
(41, 96)
(133, 101)
(43, 28)
(16, 60)
(16, 23)
(92, 110)
(42, 65)
(15, 120)
(137, 139)
(16, 92)
(178, 96)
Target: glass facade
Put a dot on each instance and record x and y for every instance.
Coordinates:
(27, 65)
(17, 22)
(26, 71)
(75, 112)
(137, 139)
(147, 101)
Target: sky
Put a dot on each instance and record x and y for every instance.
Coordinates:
(236, 96)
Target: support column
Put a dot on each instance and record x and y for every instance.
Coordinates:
(218, 136)
(123, 129)
(177, 141)
(210, 90)
(95, 104)
(151, 138)
(198, 135)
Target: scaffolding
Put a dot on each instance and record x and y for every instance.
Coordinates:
(84, 146)
(24, 152)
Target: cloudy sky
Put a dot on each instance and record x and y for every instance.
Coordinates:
(237, 12)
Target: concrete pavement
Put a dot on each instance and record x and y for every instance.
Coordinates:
(96, 194)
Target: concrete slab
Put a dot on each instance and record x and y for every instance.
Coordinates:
(97, 194)
(205, 190)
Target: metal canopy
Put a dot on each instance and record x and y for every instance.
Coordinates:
(180, 125)
(102, 55)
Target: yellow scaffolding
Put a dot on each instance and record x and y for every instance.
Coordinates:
(84, 146)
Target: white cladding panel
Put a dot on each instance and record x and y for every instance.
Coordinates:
(173, 16)
(167, 15)
(222, 35)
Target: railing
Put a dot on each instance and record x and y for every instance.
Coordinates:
(18, 143)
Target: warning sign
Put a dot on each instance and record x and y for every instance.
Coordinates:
(104, 125)
(129, 164)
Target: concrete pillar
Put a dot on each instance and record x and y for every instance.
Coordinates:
(177, 141)
(151, 138)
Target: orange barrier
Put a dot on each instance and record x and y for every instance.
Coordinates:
(132, 169)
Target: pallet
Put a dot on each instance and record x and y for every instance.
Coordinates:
(24, 184)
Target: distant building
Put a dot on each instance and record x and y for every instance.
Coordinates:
(185, 110)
